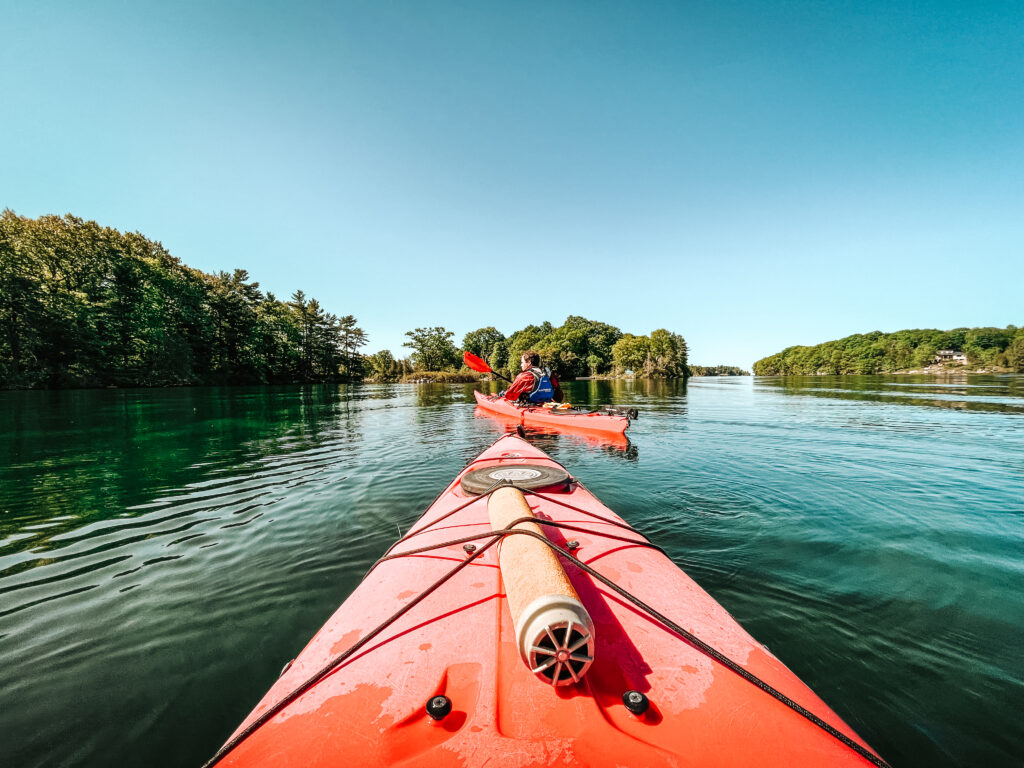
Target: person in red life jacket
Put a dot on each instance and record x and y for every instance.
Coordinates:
(534, 384)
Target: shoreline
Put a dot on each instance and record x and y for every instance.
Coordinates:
(930, 371)
(466, 379)
(941, 371)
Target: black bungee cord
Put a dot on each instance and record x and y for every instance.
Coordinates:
(495, 537)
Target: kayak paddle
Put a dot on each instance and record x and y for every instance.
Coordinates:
(478, 364)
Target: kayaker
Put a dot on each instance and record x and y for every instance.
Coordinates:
(534, 384)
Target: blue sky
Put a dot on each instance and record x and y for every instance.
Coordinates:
(750, 175)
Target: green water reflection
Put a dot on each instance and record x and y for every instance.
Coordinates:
(164, 552)
(974, 392)
(78, 457)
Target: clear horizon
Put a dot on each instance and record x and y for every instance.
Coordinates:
(749, 176)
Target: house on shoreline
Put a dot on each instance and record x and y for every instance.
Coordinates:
(950, 356)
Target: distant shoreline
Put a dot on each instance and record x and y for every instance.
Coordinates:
(940, 372)
(920, 351)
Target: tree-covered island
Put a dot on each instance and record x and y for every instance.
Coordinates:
(717, 370)
(926, 350)
(577, 348)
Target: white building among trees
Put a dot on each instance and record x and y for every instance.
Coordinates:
(950, 356)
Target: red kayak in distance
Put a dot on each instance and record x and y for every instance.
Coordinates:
(522, 623)
(613, 442)
(554, 415)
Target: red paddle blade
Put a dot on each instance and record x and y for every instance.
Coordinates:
(476, 363)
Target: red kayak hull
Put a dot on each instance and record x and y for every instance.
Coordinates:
(538, 416)
(459, 642)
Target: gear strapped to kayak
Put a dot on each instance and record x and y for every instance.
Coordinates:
(655, 700)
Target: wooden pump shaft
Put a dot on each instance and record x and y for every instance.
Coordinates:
(554, 632)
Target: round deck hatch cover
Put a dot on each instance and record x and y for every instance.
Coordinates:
(530, 476)
(515, 473)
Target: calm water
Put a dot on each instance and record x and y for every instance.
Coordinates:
(164, 552)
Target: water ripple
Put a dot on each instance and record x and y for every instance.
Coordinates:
(165, 552)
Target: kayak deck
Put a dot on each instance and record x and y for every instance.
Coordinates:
(539, 416)
(458, 641)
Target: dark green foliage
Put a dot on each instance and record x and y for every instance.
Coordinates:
(578, 347)
(717, 370)
(83, 305)
(631, 352)
(662, 355)
(433, 349)
(382, 366)
(879, 352)
(581, 347)
(483, 342)
(499, 357)
(527, 338)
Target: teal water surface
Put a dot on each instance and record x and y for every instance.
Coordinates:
(164, 552)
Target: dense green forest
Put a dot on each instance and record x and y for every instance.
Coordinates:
(88, 306)
(83, 306)
(717, 370)
(877, 352)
